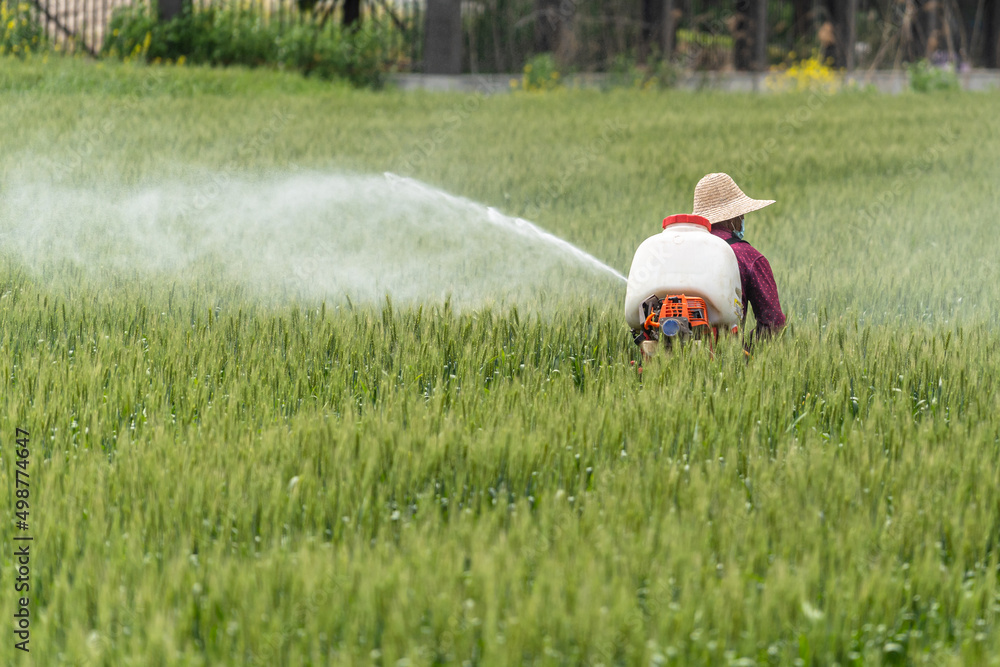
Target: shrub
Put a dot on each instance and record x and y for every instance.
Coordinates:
(20, 31)
(223, 37)
(663, 73)
(925, 77)
(541, 73)
(625, 73)
(805, 75)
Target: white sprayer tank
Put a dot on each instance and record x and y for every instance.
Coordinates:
(686, 258)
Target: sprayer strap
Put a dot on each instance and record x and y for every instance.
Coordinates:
(732, 240)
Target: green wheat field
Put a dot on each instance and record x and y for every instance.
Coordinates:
(227, 475)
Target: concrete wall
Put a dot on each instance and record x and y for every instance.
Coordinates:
(883, 81)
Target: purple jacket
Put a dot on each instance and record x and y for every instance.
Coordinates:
(758, 284)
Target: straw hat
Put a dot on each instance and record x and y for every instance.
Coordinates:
(718, 198)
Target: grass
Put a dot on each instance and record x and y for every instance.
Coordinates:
(217, 480)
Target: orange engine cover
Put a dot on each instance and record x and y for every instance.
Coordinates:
(691, 308)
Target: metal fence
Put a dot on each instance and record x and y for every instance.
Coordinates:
(591, 35)
(83, 24)
(76, 24)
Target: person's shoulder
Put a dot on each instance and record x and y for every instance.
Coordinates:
(749, 255)
(751, 252)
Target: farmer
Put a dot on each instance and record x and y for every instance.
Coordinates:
(718, 198)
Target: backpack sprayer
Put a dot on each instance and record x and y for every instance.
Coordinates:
(684, 284)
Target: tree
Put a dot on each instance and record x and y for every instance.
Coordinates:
(750, 35)
(802, 19)
(652, 23)
(443, 37)
(991, 43)
(352, 13)
(843, 14)
(168, 9)
(322, 11)
(547, 25)
(659, 26)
